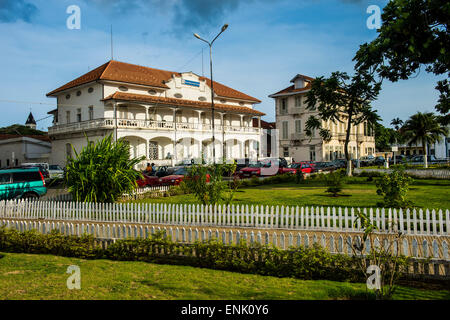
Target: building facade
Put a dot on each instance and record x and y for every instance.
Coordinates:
(291, 118)
(440, 149)
(17, 149)
(165, 116)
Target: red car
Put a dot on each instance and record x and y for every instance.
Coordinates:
(292, 168)
(304, 166)
(148, 181)
(259, 169)
(178, 176)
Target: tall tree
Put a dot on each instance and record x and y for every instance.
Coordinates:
(340, 98)
(397, 123)
(384, 137)
(413, 34)
(424, 128)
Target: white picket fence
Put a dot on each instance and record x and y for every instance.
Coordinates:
(150, 192)
(413, 222)
(416, 173)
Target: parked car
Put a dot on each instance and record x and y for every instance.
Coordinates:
(365, 161)
(148, 181)
(257, 169)
(339, 163)
(43, 168)
(419, 159)
(323, 166)
(178, 176)
(398, 159)
(55, 172)
(21, 183)
(162, 171)
(379, 161)
(303, 166)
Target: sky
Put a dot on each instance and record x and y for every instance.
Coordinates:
(266, 44)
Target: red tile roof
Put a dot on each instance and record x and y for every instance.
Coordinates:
(264, 124)
(180, 102)
(292, 89)
(135, 74)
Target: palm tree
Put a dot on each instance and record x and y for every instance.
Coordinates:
(397, 123)
(424, 128)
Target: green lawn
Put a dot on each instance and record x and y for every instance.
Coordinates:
(423, 193)
(27, 276)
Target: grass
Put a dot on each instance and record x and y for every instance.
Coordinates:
(27, 276)
(424, 193)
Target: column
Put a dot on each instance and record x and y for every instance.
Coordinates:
(174, 123)
(115, 120)
(222, 116)
(200, 124)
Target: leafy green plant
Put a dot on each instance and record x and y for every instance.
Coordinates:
(334, 181)
(206, 183)
(388, 259)
(31, 241)
(102, 171)
(394, 189)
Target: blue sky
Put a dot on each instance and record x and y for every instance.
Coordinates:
(266, 44)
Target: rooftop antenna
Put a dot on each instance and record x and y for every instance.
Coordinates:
(112, 53)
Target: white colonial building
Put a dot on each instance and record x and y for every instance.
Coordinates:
(291, 117)
(165, 116)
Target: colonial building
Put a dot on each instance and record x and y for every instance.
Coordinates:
(165, 116)
(291, 117)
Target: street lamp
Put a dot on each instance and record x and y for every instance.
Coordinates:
(225, 26)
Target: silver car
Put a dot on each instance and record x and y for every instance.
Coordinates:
(56, 172)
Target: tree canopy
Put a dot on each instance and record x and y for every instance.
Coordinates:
(423, 128)
(21, 130)
(413, 34)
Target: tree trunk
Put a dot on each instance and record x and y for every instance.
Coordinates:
(347, 140)
(425, 157)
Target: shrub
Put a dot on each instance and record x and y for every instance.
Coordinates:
(211, 192)
(102, 171)
(369, 174)
(394, 188)
(302, 263)
(390, 262)
(53, 243)
(334, 182)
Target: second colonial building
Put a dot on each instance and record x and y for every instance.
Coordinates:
(291, 117)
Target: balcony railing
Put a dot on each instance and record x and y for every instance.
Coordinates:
(108, 123)
(358, 137)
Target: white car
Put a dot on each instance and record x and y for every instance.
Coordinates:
(56, 172)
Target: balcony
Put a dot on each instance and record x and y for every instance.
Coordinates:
(298, 136)
(358, 137)
(108, 123)
(296, 111)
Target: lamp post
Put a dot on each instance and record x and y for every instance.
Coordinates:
(225, 26)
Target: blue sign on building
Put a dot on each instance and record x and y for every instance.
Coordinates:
(191, 83)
